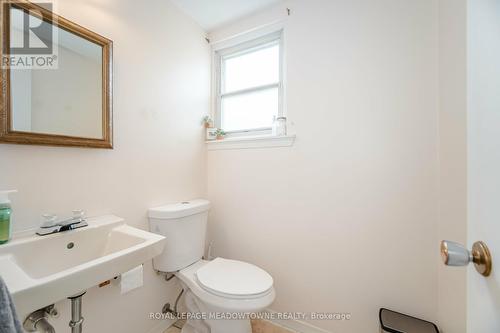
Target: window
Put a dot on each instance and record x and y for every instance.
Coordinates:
(249, 86)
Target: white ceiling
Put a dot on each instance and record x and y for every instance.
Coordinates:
(211, 14)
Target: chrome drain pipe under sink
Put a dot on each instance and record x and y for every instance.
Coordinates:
(38, 320)
(76, 313)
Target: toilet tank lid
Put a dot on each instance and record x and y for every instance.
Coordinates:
(180, 209)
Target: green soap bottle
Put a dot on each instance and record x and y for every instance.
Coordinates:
(5, 212)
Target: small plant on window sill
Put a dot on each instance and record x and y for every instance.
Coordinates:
(220, 134)
(208, 121)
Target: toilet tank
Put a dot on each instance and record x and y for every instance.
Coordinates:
(184, 225)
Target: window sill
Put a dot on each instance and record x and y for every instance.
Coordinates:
(251, 142)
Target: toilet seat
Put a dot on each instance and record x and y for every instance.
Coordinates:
(226, 303)
(234, 279)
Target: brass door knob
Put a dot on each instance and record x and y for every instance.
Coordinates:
(455, 254)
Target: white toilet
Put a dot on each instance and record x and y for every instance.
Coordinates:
(219, 294)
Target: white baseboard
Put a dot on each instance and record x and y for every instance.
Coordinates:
(162, 326)
(295, 325)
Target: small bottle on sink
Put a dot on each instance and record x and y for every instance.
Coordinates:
(5, 213)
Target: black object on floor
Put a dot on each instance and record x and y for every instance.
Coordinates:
(395, 322)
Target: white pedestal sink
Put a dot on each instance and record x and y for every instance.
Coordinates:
(42, 270)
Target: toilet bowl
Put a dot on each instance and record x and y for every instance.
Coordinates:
(221, 294)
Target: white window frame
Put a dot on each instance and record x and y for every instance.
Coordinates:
(238, 50)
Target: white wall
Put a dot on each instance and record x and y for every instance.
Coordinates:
(453, 158)
(161, 82)
(483, 140)
(346, 219)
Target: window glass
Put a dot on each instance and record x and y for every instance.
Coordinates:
(250, 111)
(256, 68)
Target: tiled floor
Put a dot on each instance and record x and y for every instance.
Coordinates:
(258, 326)
(263, 326)
(176, 328)
(173, 329)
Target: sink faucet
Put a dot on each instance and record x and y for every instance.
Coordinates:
(52, 225)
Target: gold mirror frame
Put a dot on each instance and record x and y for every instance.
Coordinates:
(7, 134)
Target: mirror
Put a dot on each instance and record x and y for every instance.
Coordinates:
(57, 80)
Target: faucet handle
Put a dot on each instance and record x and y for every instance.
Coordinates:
(48, 220)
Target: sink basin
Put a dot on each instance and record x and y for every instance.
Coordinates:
(40, 271)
